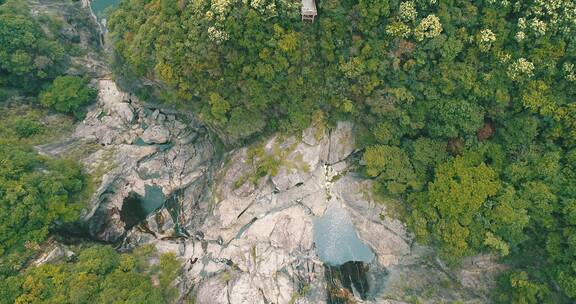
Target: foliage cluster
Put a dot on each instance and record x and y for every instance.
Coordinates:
(37, 193)
(466, 109)
(28, 58)
(34, 53)
(98, 274)
(68, 94)
(267, 159)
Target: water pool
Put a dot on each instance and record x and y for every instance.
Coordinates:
(336, 239)
(99, 6)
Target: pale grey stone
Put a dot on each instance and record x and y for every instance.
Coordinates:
(156, 135)
(341, 142)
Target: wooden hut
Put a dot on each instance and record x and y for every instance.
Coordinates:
(309, 10)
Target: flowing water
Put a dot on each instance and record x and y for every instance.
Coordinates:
(346, 281)
(350, 265)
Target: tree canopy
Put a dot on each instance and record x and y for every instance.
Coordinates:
(27, 56)
(466, 109)
(67, 94)
(34, 194)
(98, 274)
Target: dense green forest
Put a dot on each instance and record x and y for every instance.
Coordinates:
(98, 274)
(465, 109)
(28, 58)
(35, 191)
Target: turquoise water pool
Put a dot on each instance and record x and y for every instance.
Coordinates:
(99, 6)
(136, 207)
(336, 239)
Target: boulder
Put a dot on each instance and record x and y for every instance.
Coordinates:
(156, 135)
(312, 135)
(302, 160)
(341, 142)
(52, 252)
(155, 114)
(105, 139)
(478, 272)
(243, 291)
(161, 223)
(124, 111)
(109, 94)
(70, 34)
(213, 291)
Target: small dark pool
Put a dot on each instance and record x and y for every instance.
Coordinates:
(136, 208)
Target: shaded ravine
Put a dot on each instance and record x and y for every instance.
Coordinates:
(136, 208)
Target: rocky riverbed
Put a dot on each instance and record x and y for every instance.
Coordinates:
(243, 238)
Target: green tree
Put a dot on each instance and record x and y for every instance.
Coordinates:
(453, 118)
(100, 275)
(36, 193)
(25, 127)
(455, 200)
(425, 155)
(27, 56)
(68, 94)
(128, 287)
(390, 166)
(520, 290)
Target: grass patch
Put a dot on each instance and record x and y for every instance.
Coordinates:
(32, 125)
(302, 292)
(268, 163)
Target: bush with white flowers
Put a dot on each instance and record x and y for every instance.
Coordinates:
(485, 39)
(429, 27)
(520, 69)
(408, 11)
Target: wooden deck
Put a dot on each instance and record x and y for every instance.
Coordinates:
(309, 10)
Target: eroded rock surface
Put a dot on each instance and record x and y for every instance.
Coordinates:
(52, 252)
(256, 242)
(132, 149)
(246, 239)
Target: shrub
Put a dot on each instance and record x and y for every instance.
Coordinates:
(26, 127)
(68, 94)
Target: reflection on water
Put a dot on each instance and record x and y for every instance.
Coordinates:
(336, 239)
